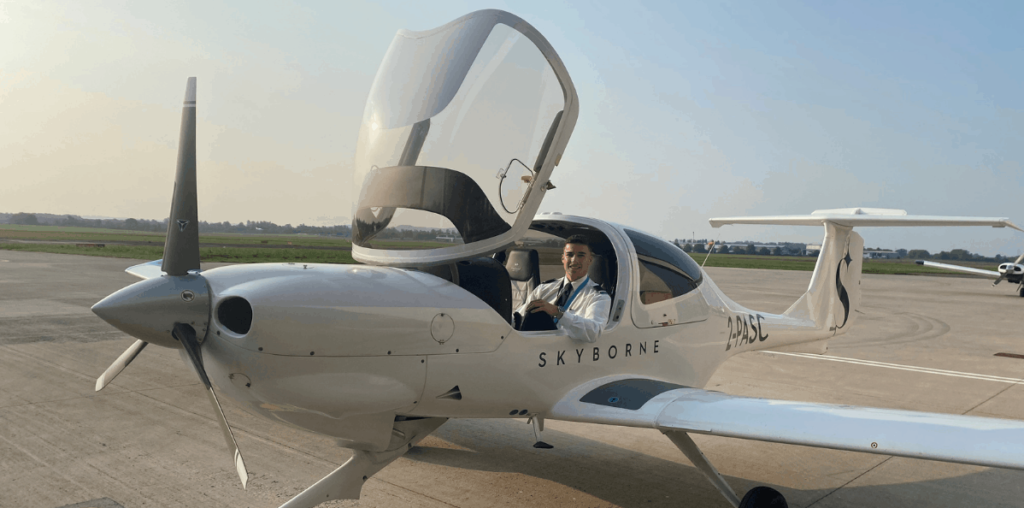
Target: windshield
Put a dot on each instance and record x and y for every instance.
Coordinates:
(456, 126)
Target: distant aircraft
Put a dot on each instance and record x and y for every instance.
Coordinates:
(1010, 272)
(379, 355)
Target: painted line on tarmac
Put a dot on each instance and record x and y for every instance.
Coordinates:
(924, 370)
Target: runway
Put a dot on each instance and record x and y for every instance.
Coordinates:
(150, 438)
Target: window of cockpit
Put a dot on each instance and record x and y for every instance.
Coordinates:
(665, 270)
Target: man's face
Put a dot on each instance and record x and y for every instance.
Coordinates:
(576, 260)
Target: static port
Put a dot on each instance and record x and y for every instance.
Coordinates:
(235, 314)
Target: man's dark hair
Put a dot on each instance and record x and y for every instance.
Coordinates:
(579, 240)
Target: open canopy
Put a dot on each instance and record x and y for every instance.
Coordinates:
(462, 128)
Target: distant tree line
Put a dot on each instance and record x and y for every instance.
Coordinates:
(414, 234)
(247, 227)
(256, 227)
(749, 249)
(43, 219)
(267, 227)
(954, 255)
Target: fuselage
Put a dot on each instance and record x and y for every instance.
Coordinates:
(343, 349)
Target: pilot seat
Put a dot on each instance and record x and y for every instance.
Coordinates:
(523, 267)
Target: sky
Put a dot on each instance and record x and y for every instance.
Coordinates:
(688, 110)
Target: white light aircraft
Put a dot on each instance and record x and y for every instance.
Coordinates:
(1010, 272)
(379, 355)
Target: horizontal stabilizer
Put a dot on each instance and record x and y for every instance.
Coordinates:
(949, 438)
(147, 270)
(973, 271)
(867, 217)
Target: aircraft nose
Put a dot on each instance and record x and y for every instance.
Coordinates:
(148, 310)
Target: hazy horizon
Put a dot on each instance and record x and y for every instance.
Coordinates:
(687, 111)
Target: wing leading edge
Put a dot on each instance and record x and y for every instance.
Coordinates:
(989, 442)
(973, 271)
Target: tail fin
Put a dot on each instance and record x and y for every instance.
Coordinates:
(833, 296)
(834, 291)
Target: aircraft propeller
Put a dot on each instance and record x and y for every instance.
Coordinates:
(1003, 275)
(167, 310)
(119, 364)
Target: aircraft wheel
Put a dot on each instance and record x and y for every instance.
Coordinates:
(1022, 292)
(763, 497)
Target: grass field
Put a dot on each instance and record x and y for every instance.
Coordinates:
(210, 254)
(233, 248)
(316, 249)
(98, 235)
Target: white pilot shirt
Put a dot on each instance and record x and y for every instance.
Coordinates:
(586, 315)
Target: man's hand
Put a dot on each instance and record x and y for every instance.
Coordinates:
(542, 306)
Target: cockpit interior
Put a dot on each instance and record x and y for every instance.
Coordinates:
(505, 278)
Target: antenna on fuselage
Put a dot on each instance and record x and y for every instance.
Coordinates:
(711, 248)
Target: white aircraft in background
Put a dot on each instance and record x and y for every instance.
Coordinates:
(379, 355)
(1010, 272)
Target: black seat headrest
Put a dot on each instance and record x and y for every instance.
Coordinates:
(522, 264)
(599, 271)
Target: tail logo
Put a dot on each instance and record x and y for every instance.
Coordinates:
(182, 224)
(844, 297)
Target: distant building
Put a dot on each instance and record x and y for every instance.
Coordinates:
(881, 254)
(812, 249)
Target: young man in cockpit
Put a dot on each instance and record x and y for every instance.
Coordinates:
(573, 303)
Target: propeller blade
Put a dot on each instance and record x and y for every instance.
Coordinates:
(181, 249)
(187, 336)
(119, 364)
(1019, 259)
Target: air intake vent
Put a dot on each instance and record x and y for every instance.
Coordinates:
(235, 314)
(453, 394)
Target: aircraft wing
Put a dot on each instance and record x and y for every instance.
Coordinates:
(973, 271)
(147, 270)
(648, 403)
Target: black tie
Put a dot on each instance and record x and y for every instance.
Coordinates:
(564, 295)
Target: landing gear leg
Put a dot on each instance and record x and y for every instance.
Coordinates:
(758, 497)
(346, 482)
(538, 427)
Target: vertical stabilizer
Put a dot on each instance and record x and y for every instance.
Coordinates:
(181, 249)
(834, 292)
